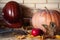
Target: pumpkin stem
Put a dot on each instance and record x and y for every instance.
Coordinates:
(47, 10)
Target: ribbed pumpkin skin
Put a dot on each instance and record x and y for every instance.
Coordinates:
(45, 17)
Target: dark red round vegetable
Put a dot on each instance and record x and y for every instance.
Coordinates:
(12, 12)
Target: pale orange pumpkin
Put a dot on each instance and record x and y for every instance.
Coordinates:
(45, 17)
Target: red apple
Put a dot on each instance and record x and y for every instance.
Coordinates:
(36, 32)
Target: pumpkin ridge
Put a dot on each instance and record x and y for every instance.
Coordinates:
(58, 16)
(48, 15)
(42, 15)
(56, 19)
(52, 16)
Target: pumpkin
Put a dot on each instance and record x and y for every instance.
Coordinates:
(46, 17)
(12, 14)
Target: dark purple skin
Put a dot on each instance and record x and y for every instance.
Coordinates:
(12, 14)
